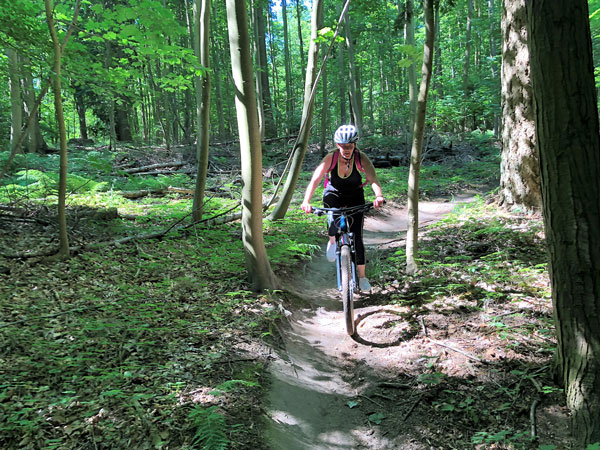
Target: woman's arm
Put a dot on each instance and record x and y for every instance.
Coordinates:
(318, 174)
(372, 179)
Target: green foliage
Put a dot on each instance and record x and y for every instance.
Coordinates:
(210, 429)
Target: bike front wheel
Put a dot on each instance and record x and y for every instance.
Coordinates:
(347, 289)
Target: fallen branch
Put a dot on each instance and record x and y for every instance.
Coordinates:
(154, 166)
(474, 358)
(532, 418)
(166, 172)
(394, 385)
(371, 400)
(414, 405)
(162, 191)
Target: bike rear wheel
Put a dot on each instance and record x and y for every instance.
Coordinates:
(347, 289)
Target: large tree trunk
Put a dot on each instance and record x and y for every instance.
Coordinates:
(202, 26)
(519, 175)
(307, 113)
(568, 139)
(259, 270)
(412, 232)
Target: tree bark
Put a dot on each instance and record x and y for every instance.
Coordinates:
(300, 42)
(289, 99)
(80, 106)
(324, 114)
(568, 140)
(35, 140)
(409, 39)
(520, 176)
(467, 63)
(412, 232)
(342, 85)
(259, 270)
(202, 49)
(16, 103)
(354, 77)
(62, 184)
(263, 75)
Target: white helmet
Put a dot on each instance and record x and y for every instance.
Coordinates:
(346, 134)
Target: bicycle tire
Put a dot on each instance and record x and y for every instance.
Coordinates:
(347, 289)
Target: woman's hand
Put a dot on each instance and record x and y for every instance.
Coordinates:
(306, 207)
(379, 201)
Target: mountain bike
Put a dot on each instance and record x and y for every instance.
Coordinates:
(347, 276)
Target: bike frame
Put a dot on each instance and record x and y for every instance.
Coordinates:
(344, 237)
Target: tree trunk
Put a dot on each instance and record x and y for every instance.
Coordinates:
(568, 139)
(36, 142)
(259, 270)
(63, 250)
(202, 26)
(80, 106)
(354, 77)
(412, 232)
(274, 73)
(467, 64)
(409, 39)
(519, 177)
(307, 113)
(324, 114)
(257, 67)
(437, 79)
(111, 98)
(289, 100)
(263, 72)
(219, 103)
(300, 42)
(493, 53)
(16, 103)
(342, 85)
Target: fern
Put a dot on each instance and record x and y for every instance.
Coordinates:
(210, 429)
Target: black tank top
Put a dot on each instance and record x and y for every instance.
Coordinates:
(350, 186)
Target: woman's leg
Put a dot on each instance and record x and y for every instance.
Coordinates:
(361, 270)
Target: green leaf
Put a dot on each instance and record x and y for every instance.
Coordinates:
(352, 404)
(376, 418)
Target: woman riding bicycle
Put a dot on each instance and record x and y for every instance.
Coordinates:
(343, 188)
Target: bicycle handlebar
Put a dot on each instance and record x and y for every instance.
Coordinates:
(349, 209)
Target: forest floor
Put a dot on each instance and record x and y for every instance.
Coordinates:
(158, 343)
(421, 372)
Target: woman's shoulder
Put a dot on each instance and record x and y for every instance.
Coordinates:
(329, 156)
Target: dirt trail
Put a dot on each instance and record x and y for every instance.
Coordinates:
(319, 380)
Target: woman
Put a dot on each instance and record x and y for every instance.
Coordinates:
(343, 188)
